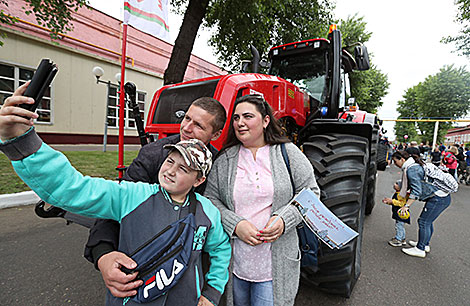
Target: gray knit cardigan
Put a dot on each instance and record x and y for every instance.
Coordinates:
(285, 250)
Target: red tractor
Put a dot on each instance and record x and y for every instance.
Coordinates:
(307, 86)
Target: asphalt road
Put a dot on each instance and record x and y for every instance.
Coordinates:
(42, 262)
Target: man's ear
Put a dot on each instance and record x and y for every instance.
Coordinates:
(216, 135)
(199, 181)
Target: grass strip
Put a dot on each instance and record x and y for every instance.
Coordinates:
(91, 163)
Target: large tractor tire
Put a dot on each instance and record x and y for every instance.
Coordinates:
(382, 162)
(372, 172)
(341, 163)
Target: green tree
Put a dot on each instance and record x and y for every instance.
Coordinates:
(238, 24)
(263, 24)
(407, 108)
(462, 39)
(194, 15)
(443, 95)
(370, 86)
(53, 14)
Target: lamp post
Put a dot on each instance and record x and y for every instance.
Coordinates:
(98, 73)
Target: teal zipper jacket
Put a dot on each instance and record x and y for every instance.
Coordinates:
(142, 209)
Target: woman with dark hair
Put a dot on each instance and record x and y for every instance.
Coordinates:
(436, 200)
(250, 184)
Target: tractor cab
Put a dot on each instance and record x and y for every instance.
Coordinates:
(305, 65)
(319, 67)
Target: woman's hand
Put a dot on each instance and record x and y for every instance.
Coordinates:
(387, 201)
(403, 210)
(272, 232)
(14, 120)
(248, 233)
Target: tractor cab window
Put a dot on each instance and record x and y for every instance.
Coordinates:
(305, 70)
(175, 101)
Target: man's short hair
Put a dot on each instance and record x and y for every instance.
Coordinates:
(214, 107)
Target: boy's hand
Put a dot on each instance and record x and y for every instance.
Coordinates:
(387, 201)
(15, 121)
(119, 283)
(273, 232)
(248, 233)
(204, 302)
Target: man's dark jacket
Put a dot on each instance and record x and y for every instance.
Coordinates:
(104, 235)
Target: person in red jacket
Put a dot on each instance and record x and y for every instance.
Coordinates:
(450, 161)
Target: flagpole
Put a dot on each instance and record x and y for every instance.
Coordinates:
(122, 94)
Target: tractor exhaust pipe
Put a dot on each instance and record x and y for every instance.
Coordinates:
(256, 59)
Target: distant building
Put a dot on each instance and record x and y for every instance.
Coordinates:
(460, 135)
(75, 108)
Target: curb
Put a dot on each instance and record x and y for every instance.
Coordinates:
(18, 199)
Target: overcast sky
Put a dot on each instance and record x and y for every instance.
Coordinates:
(405, 42)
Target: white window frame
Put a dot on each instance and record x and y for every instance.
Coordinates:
(16, 83)
(129, 122)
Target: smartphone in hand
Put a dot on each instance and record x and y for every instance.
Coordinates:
(41, 80)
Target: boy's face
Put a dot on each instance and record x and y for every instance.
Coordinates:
(177, 178)
(397, 188)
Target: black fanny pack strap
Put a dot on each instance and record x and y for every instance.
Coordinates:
(192, 202)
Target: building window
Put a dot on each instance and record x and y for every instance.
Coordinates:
(113, 109)
(11, 77)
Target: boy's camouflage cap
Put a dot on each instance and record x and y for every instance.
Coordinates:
(195, 154)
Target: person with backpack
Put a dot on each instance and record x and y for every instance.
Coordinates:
(424, 189)
(166, 225)
(251, 186)
(450, 161)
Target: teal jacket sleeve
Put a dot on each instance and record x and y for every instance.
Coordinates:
(49, 174)
(218, 247)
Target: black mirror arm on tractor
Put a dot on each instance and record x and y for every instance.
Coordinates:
(131, 92)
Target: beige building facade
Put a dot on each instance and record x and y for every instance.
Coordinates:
(76, 108)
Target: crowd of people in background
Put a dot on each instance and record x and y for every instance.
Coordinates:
(454, 159)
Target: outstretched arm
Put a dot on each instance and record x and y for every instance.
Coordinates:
(53, 178)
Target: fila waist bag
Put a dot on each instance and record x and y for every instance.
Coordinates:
(162, 260)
